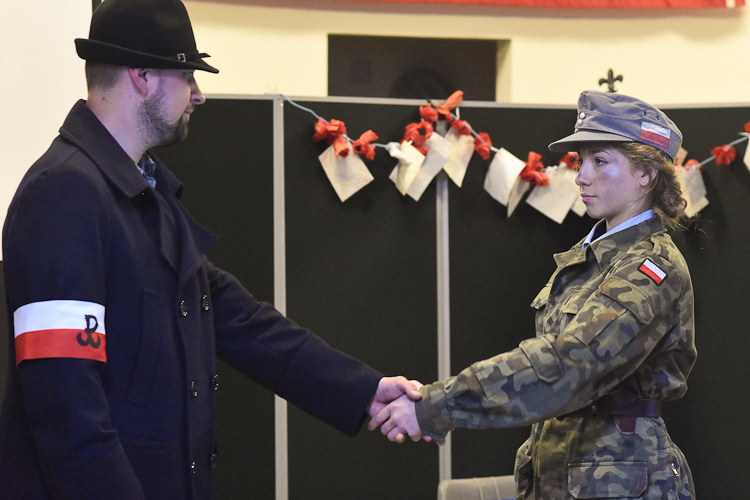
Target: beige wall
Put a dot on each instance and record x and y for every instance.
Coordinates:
(41, 78)
(666, 57)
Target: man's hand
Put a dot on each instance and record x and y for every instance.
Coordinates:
(390, 388)
(398, 419)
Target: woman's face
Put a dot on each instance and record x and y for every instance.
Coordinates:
(610, 189)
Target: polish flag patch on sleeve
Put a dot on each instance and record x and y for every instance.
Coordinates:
(60, 329)
(652, 271)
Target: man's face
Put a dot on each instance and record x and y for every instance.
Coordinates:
(165, 114)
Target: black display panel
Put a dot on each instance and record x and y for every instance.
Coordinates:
(362, 275)
(498, 265)
(226, 166)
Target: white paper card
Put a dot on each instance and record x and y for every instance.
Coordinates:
(693, 189)
(502, 175)
(348, 174)
(746, 158)
(394, 149)
(407, 169)
(438, 149)
(519, 188)
(555, 199)
(579, 207)
(458, 161)
(681, 157)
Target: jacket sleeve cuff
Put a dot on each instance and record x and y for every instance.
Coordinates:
(432, 412)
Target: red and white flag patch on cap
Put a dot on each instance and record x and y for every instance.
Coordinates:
(652, 271)
(655, 133)
(60, 329)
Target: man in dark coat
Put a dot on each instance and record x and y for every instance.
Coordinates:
(117, 316)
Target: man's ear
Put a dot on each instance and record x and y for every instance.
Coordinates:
(141, 77)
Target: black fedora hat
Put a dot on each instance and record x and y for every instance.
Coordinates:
(142, 34)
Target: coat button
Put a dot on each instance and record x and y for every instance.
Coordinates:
(183, 308)
(212, 461)
(205, 303)
(193, 390)
(192, 468)
(216, 382)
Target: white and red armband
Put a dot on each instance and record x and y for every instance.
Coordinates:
(60, 329)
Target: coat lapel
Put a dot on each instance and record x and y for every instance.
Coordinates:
(183, 241)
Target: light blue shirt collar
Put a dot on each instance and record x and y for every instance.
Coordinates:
(628, 223)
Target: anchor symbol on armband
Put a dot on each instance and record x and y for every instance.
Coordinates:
(90, 331)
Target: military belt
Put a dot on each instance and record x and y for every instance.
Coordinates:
(623, 404)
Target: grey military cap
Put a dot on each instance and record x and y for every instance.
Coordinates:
(607, 117)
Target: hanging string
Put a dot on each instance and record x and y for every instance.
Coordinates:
(302, 107)
(479, 136)
(377, 144)
(713, 157)
(476, 135)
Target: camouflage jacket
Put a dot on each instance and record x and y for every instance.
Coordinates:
(618, 314)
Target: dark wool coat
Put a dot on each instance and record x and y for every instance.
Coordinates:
(119, 318)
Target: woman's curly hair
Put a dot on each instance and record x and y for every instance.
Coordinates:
(665, 189)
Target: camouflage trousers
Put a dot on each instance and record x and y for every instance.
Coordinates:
(588, 456)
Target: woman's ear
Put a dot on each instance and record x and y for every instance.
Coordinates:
(644, 176)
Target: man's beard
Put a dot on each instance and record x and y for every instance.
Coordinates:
(154, 128)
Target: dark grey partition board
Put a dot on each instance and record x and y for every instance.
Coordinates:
(707, 422)
(226, 165)
(498, 264)
(362, 275)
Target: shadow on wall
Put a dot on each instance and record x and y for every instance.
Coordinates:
(411, 67)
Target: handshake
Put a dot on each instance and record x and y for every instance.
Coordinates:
(393, 409)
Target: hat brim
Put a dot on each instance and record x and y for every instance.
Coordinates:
(95, 51)
(571, 143)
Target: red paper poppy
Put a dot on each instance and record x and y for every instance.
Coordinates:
(428, 113)
(570, 160)
(483, 145)
(446, 109)
(691, 163)
(362, 145)
(724, 155)
(417, 133)
(532, 172)
(461, 127)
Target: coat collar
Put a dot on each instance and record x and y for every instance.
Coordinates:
(84, 129)
(185, 250)
(606, 249)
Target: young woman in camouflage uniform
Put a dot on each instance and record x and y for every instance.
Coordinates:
(614, 331)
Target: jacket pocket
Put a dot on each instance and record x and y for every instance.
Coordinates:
(144, 376)
(542, 297)
(543, 358)
(524, 470)
(540, 305)
(607, 479)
